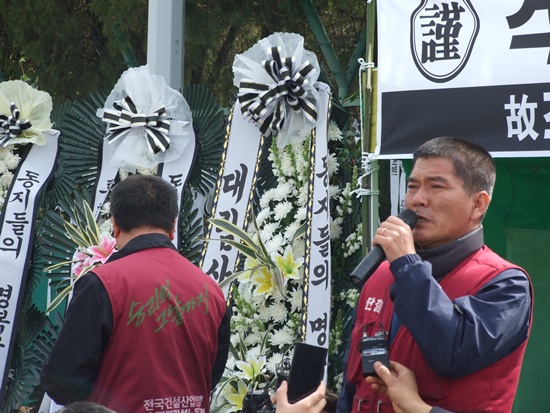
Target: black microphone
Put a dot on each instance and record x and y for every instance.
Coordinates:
(374, 258)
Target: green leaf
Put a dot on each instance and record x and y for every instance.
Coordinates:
(279, 281)
(58, 265)
(264, 339)
(77, 235)
(59, 299)
(91, 225)
(209, 125)
(228, 280)
(300, 232)
(232, 229)
(245, 249)
(261, 245)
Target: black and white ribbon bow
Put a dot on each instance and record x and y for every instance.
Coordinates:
(11, 126)
(266, 104)
(125, 116)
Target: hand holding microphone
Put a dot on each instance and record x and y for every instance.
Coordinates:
(374, 258)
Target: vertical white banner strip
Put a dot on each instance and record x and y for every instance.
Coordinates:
(317, 297)
(233, 193)
(395, 173)
(17, 237)
(177, 171)
(105, 178)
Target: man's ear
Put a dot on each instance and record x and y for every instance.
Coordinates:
(116, 229)
(481, 204)
(172, 233)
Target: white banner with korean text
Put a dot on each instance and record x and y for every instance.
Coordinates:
(175, 171)
(475, 69)
(233, 196)
(317, 296)
(17, 229)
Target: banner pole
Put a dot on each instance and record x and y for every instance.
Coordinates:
(369, 183)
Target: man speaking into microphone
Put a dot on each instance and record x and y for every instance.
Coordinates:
(451, 310)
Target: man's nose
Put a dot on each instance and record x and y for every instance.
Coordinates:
(420, 197)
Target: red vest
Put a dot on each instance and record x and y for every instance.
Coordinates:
(491, 389)
(166, 316)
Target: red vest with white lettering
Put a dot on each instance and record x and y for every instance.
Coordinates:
(491, 389)
(166, 316)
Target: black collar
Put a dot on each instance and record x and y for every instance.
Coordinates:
(142, 242)
(447, 257)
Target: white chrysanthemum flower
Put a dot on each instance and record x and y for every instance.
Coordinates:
(106, 208)
(302, 196)
(274, 360)
(268, 231)
(274, 244)
(300, 214)
(5, 179)
(147, 171)
(230, 364)
(258, 301)
(333, 164)
(264, 314)
(253, 339)
(106, 228)
(10, 158)
(3, 167)
(333, 191)
(266, 198)
(334, 133)
(278, 312)
(336, 228)
(12, 161)
(282, 210)
(282, 191)
(262, 216)
(296, 300)
(253, 303)
(283, 337)
(291, 229)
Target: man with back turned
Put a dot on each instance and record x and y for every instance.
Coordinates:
(148, 330)
(455, 313)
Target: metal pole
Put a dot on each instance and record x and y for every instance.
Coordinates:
(370, 182)
(165, 40)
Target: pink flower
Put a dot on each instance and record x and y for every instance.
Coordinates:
(93, 256)
(79, 257)
(77, 269)
(100, 253)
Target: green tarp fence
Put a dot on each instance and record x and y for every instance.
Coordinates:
(517, 227)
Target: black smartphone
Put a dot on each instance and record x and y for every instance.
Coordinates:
(306, 370)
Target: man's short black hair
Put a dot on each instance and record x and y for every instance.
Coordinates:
(144, 201)
(471, 162)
